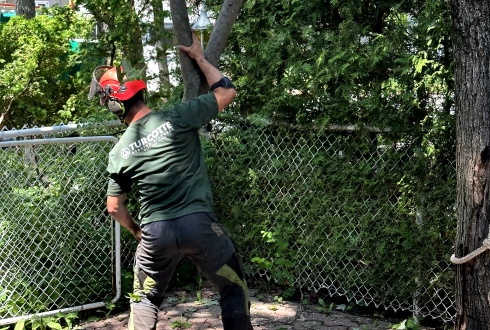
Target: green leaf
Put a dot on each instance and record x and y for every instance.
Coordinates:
(180, 324)
(210, 302)
(54, 325)
(412, 325)
(127, 67)
(402, 325)
(341, 307)
(20, 325)
(134, 297)
(120, 74)
(71, 316)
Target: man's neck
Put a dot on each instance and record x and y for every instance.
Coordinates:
(138, 111)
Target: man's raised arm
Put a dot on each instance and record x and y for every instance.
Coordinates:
(224, 96)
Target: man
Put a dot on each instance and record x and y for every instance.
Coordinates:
(161, 154)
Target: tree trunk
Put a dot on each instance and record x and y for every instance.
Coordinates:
(183, 35)
(471, 46)
(222, 29)
(26, 8)
(194, 82)
(217, 41)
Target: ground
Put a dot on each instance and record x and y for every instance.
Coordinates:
(182, 310)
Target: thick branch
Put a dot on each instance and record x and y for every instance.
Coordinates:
(183, 35)
(222, 29)
(26, 8)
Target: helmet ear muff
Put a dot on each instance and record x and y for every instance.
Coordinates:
(116, 107)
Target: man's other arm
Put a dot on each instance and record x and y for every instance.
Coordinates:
(118, 210)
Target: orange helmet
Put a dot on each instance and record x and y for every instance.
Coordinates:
(121, 92)
(111, 91)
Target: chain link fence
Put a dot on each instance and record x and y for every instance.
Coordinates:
(58, 247)
(363, 215)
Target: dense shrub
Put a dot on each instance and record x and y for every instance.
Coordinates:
(40, 69)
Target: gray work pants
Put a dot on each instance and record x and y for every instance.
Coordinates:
(200, 237)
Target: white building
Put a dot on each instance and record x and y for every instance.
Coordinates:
(10, 4)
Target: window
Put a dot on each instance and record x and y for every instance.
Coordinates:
(42, 3)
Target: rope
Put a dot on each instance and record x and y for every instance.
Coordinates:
(477, 252)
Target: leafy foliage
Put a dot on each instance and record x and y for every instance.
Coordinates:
(180, 324)
(38, 67)
(319, 62)
(381, 63)
(61, 321)
(119, 29)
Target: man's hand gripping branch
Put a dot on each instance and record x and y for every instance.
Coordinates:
(224, 96)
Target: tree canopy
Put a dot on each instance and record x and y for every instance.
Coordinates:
(39, 68)
(384, 63)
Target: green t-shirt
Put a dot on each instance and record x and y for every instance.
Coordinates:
(161, 153)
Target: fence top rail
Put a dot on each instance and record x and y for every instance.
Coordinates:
(7, 144)
(8, 134)
(56, 129)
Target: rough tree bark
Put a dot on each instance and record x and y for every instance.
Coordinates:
(471, 46)
(194, 82)
(183, 36)
(26, 8)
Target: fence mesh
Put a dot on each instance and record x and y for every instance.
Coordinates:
(56, 240)
(366, 216)
(361, 215)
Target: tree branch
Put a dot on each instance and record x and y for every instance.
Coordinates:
(217, 41)
(21, 92)
(183, 35)
(113, 53)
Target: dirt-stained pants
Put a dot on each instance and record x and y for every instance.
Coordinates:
(200, 237)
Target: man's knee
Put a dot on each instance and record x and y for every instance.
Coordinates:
(145, 286)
